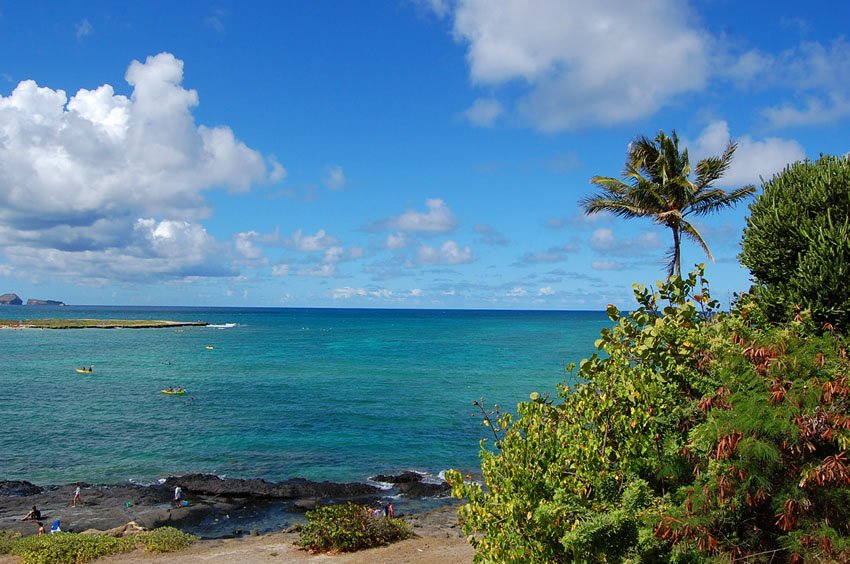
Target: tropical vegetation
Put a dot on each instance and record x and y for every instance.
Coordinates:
(657, 183)
(349, 527)
(694, 435)
(691, 435)
(74, 548)
(797, 241)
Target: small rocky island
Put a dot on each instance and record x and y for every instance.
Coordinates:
(10, 299)
(96, 324)
(35, 302)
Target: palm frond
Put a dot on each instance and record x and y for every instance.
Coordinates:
(691, 232)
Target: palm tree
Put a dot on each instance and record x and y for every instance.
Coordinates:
(658, 185)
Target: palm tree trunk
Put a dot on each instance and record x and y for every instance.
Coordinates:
(676, 265)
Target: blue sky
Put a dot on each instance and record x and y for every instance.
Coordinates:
(385, 154)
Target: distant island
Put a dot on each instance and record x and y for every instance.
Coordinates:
(15, 299)
(96, 324)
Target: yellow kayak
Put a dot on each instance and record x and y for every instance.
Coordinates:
(173, 392)
(84, 370)
(210, 347)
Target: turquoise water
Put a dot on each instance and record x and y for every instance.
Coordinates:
(314, 393)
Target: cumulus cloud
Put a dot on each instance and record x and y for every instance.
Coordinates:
(334, 178)
(100, 161)
(517, 292)
(416, 292)
(484, 112)
(280, 270)
(448, 253)
(545, 291)
(396, 241)
(438, 219)
(753, 159)
(348, 292)
(245, 243)
(319, 242)
(561, 53)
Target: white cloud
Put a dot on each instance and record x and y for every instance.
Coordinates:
(245, 245)
(320, 271)
(484, 112)
(395, 241)
(334, 178)
(280, 270)
(319, 242)
(416, 292)
(517, 292)
(83, 29)
(584, 62)
(438, 219)
(333, 254)
(448, 253)
(753, 159)
(348, 292)
(382, 293)
(77, 174)
(545, 291)
(606, 265)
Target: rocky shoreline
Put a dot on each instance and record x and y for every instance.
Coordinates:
(112, 506)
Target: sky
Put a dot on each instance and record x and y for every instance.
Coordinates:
(394, 153)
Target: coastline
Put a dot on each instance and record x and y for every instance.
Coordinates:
(105, 507)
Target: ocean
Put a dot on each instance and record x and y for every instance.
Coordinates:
(322, 394)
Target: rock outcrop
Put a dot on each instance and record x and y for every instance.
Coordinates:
(10, 299)
(35, 302)
(413, 484)
(296, 488)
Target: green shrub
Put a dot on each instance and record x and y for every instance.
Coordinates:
(8, 540)
(165, 539)
(796, 242)
(348, 527)
(695, 438)
(68, 548)
(72, 548)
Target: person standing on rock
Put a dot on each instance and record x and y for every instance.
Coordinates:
(178, 496)
(77, 496)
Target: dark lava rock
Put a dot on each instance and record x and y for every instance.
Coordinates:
(18, 488)
(206, 484)
(403, 478)
(424, 489)
(10, 299)
(412, 484)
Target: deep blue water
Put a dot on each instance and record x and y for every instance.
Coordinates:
(328, 394)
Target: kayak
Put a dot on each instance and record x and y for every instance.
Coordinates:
(84, 371)
(210, 347)
(173, 392)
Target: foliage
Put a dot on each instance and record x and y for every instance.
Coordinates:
(7, 541)
(796, 242)
(658, 185)
(70, 548)
(691, 436)
(567, 478)
(165, 539)
(73, 548)
(349, 527)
